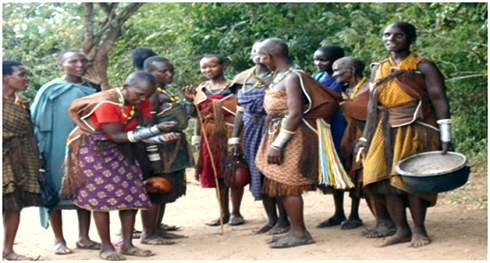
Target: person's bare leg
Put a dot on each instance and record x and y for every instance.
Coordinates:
(102, 222)
(283, 219)
(384, 225)
(354, 211)
(83, 229)
(224, 198)
(339, 215)
(298, 234)
(161, 213)
(149, 222)
(161, 232)
(56, 221)
(418, 210)
(127, 218)
(269, 205)
(294, 209)
(11, 221)
(282, 225)
(353, 221)
(236, 200)
(236, 217)
(223, 201)
(396, 208)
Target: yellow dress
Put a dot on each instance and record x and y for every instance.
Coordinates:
(407, 140)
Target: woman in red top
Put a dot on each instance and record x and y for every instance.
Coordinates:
(101, 174)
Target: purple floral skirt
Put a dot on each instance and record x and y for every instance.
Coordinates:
(111, 181)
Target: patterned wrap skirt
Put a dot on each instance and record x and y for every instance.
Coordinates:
(253, 131)
(111, 181)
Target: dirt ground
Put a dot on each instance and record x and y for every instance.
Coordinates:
(457, 226)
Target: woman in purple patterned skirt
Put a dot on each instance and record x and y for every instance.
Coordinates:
(101, 174)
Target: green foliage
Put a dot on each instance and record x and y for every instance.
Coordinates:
(453, 35)
(35, 34)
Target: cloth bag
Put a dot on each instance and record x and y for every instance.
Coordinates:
(49, 196)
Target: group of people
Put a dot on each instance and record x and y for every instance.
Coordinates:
(335, 131)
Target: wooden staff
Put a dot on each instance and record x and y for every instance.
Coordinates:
(203, 133)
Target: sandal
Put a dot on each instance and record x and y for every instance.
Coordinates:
(111, 255)
(61, 249)
(276, 230)
(216, 222)
(166, 227)
(91, 246)
(136, 233)
(288, 241)
(236, 220)
(16, 257)
(156, 241)
(351, 224)
(263, 229)
(330, 222)
(137, 252)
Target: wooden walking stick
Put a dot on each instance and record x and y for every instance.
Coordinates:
(203, 133)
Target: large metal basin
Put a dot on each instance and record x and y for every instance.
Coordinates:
(433, 172)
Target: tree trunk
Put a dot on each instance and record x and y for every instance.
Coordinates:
(98, 44)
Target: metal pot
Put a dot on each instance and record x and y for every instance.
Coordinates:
(433, 172)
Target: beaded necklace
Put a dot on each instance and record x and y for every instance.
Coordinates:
(220, 91)
(280, 77)
(257, 82)
(356, 89)
(169, 94)
(121, 106)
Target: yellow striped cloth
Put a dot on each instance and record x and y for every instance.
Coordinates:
(330, 169)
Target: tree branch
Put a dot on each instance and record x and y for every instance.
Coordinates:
(107, 8)
(88, 42)
(128, 12)
(466, 77)
(110, 15)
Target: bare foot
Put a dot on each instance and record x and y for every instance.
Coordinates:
(167, 235)
(156, 240)
(16, 257)
(332, 221)
(276, 230)
(275, 238)
(392, 240)
(419, 241)
(291, 241)
(379, 231)
(262, 229)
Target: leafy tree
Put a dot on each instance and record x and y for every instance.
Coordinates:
(453, 35)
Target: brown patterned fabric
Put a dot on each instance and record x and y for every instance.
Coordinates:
(299, 171)
(20, 163)
(355, 113)
(83, 106)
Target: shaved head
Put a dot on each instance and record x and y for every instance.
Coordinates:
(275, 47)
(139, 77)
(354, 62)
